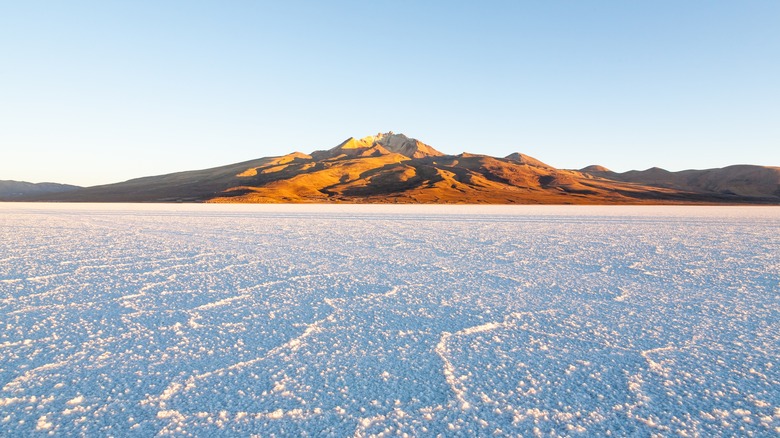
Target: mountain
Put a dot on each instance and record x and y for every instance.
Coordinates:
(13, 190)
(394, 168)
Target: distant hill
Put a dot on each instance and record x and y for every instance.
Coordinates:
(14, 190)
(393, 168)
(739, 180)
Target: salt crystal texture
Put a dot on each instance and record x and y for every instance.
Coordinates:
(215, 320)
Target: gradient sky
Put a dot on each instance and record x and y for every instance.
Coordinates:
(103, 91)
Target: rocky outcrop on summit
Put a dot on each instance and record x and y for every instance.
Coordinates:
(380, 144)
(408, 147)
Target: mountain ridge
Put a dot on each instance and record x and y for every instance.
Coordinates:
(738, 179)
(394, 168)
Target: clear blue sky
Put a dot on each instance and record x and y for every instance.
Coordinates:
(103, 91)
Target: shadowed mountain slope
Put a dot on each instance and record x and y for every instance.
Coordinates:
(393, 168)
(13, 190)
(739, 180)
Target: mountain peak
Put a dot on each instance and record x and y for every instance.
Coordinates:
(401, 144)
(594, 168)
(389, 142)
(527, 160)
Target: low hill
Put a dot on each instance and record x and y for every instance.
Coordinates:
(14, 190)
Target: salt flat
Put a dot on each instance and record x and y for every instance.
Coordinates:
(383, 320)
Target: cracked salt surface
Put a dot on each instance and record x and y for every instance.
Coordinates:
(382, 320)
